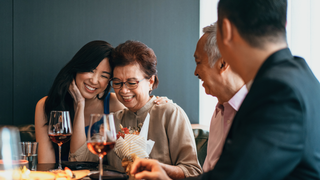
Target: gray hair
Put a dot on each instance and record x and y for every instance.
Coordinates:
(211, 45)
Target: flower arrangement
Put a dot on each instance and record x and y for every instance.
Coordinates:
(130, 130)
(133, 143)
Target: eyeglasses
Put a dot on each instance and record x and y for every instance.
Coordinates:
(130, 84)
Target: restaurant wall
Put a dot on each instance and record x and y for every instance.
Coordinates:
(6, 69)
(39, 37)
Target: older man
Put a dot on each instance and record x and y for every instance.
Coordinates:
(219, 81)
(275, 134)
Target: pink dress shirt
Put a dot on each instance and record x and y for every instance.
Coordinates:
(219, 127)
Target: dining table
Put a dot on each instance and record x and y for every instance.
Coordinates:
(109, 171)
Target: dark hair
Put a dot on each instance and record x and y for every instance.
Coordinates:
(85, 60)
(132, 52)
(258, 21)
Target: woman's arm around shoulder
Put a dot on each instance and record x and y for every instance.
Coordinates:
(114, 104)
(46, 152)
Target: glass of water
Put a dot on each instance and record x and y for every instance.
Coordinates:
(30, 153)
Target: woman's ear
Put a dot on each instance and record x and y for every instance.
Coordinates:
(151, 81)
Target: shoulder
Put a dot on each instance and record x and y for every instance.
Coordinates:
(167, 107)
(120, 113)
(113, 97)
(172, 117)
(169, 111)
(114, 104)
(40, 117)
(272, 89)
(278, 75)
(289, 71)
(41, 102)
(281, 90)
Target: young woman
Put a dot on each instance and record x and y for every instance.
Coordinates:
(82, 88)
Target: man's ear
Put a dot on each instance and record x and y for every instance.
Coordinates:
(226, 31)
(222, 64)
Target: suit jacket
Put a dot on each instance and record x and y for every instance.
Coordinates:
(276, 132)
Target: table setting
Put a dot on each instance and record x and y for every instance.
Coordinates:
(18, 160)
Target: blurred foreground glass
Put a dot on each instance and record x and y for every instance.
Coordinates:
(101, 136)
(60, 130)
(30, 153)
(10, 152)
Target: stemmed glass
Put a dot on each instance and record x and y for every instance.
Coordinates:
(101, 136)
(10, 152)
(60, 130)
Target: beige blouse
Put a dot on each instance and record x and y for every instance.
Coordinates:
(170, 128)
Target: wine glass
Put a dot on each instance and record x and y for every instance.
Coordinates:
(59, 129)
(10, 152)
(101, 136)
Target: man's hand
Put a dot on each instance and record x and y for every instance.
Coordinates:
(148, 169)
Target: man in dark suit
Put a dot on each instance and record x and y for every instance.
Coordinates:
(275, 134)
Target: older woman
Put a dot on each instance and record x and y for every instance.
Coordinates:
(134, 77)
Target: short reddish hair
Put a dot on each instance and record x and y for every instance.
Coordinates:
(132, 52)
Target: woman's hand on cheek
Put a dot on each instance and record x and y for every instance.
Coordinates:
(75, 93)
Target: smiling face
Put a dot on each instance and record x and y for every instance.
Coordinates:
(136, 98)
(92, 83)
(209, 75)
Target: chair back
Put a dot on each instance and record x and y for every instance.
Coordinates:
(201, 137)
(27, 133)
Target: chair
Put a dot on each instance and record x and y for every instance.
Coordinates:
(27, 133)
(201, 134)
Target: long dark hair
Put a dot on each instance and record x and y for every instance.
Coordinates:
(85, 60)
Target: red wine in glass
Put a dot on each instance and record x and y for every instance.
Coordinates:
(59, 129)
(100, 148)
(101, 136)
(59, 138)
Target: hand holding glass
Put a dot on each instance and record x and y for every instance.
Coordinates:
(59, 129)
(101, 136)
